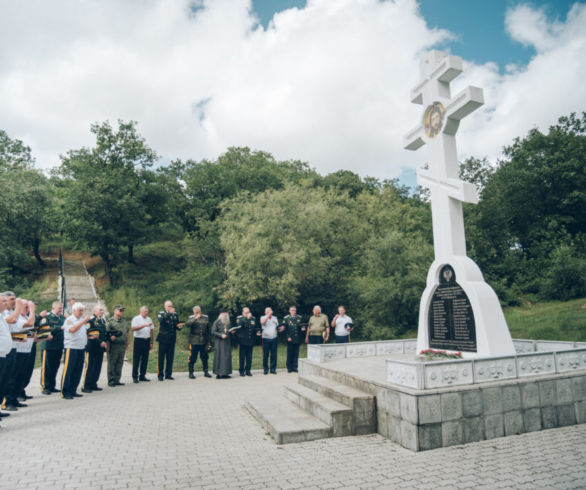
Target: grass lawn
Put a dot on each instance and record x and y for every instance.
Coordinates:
(553, 320)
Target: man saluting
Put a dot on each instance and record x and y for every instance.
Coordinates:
(168, 326)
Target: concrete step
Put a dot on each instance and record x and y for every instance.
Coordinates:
(285, 422)
(363, 405)
(333, 413)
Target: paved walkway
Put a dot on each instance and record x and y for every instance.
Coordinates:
(196, 434)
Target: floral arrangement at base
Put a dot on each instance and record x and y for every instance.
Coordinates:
(440, 354)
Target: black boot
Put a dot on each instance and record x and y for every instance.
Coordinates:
(191, 375)
(207, 374)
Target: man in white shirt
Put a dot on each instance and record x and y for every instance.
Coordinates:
(142, 329)
(269, 324)
(74, 342)
(19, 324)
(343, 326)
(5, 349)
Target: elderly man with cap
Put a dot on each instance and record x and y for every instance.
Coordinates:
(74, 342)
(117, 329)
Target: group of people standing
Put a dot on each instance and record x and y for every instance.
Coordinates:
(82, 340)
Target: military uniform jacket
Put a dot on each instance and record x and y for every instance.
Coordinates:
(200, 331)
(115, 327)
(293, 329)
(93, 345)
(167, 327)
(55, 322)
(247, 330)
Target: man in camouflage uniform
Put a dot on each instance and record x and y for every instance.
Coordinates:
(200, 337)
(117, 329)
(295, 332)
(168, 326)
(247, 330)
(52, 349)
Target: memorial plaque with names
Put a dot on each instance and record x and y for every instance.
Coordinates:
(451, 319)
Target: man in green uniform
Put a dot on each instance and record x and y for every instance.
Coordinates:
(318, 324)
(200, 338)
(117, 330)
(52, 349)
(247, 331)
(295, 332)
(168, 326)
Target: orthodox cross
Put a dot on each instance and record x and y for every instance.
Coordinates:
(438, 128)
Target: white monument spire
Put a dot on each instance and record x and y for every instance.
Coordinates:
(458, 310)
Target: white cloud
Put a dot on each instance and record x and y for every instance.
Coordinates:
(328, 83)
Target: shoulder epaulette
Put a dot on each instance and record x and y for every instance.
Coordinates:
(204, 315)
(239, 316)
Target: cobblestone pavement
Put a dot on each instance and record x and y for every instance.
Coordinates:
(196, 434)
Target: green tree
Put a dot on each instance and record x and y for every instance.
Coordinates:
(109, 200)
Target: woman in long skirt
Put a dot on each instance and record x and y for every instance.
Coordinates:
(223, 350)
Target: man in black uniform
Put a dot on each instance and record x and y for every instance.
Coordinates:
(295, 332)
(248, 330)
(168, 326)
(200, 338)
(97, 342)
(52, 349)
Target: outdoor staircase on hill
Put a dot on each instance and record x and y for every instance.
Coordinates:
(315, 408)
(79, 284)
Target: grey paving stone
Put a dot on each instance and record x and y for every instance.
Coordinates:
(564, 394)
(530, 395)
(472, 403)
(513, 422)
(451, 406)
(430, 436)
(511, 398)
(547, 395)
(532, 419)
(492, 399)
(430, 409)
(566, 414)
(452, 433)
(549, 417)
(472, 429)
(494, 426)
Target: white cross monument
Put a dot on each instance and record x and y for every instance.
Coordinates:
(458, 310)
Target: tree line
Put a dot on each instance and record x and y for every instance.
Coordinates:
(246, 229)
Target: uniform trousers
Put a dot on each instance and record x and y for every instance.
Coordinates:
(342, 339)
(269, 347)
(72, 369)
(194, 350)
(316, 339)
(166, 355)
(115, 362)
(3, 377)
(50, 360)
(16, 371)
(140, 357)
(93, 368)
(292, 356)
(245, 358)
(30, 367)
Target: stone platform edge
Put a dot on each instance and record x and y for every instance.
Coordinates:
(533, 358)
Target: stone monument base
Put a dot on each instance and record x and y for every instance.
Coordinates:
(543, 386)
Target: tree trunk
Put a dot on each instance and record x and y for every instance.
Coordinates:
(36, 245)
(131, 254)
(107, 267)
